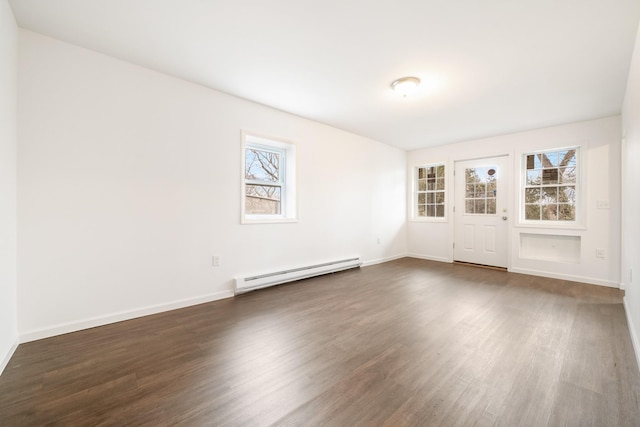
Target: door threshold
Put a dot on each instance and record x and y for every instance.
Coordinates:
(489, 267)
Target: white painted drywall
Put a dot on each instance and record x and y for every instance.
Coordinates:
(8, 227)
(129, 183)
(600, 142)
(631, 198)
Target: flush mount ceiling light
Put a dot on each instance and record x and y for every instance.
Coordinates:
(405, 85)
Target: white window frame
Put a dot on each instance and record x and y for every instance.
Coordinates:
(578, 222)
(287, 181)
(416, 191)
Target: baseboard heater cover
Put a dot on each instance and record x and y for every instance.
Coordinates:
(251, 283)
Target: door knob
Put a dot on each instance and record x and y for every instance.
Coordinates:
(504, 218)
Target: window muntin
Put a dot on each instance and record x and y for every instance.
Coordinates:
(550, 185)
(430, 193)
(268, 180)
(480, 190)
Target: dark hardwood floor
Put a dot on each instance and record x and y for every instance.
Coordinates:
(409, 342)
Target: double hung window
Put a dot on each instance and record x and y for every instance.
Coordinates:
(269, 180)
(429, 192)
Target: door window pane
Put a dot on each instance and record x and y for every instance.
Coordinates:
(481, 190)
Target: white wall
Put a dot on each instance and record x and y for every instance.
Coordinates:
(8, 228)
(631, 198)
(129, 182)
(600, 142)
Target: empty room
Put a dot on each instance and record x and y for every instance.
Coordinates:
(305, 213)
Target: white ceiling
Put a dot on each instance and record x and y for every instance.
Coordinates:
(488, 67)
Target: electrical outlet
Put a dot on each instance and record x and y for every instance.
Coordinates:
(600, 253)
(216, 260)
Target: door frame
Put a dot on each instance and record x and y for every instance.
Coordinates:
(512, 200)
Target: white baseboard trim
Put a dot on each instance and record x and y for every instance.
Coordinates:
(381, 260)
(632, 331)
(589, 280)
(429, 258)
(65, 328)
(7, 357)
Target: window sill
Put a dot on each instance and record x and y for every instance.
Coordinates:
(269, 221)
(553, 226)
(429, 220)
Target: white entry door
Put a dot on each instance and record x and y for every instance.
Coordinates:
(481, 215)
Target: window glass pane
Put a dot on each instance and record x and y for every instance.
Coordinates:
(549, 212)
(431, 198)
(431, 210)
(263, 199)
(532, 195)
(440, 197)
(532, 212)
(422, 173)
(537, 164)
(567, 175)
(549, 195)
(422, 198)
(440, 184)
(421, 210)
(491, 189)
(271, 192)
(440, 171)
(470, 190)
(422, 185)
(567, 194)
(261, 165)
(440, 211)
(550, 160)
(469, 206)
(491, 206)
(566, 212)
(567, 157)
(550, 176)
(481, 190)
(470, 175)
(480, 206)
(431, 184)
(534, 177)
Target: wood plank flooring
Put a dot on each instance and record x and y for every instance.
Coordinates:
(409, 342)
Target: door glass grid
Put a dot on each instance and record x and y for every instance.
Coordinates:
(480, 190)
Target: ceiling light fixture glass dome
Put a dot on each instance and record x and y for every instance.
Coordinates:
(405, 85)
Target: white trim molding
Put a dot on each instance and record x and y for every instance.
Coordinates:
(572, 278)
(430, 258)
(7, 357)
(632, 331)
(382, 260)
(64, 328)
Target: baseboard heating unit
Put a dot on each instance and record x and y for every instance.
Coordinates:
(251, 283)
